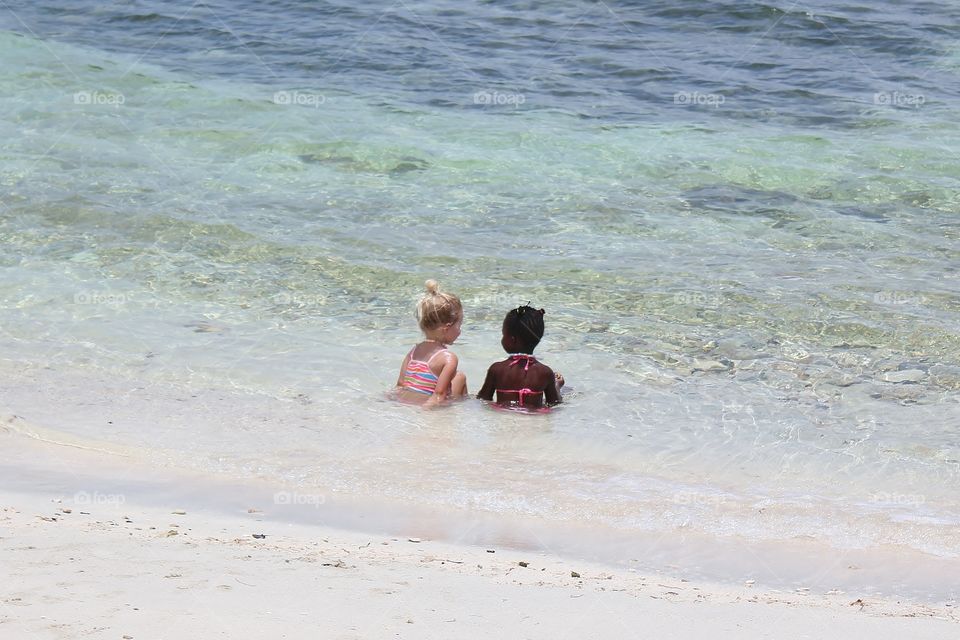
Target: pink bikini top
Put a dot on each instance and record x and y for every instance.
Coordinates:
(515, 359)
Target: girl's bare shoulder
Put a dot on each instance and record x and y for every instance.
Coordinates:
(544, 367)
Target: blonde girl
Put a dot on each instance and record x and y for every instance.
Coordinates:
(429, 373)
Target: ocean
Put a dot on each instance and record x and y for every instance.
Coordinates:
(742, 219)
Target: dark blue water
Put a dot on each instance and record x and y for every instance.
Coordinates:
(812, 63)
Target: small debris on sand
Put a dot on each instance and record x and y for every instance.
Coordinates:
(523, 564)
(574, 574)
(179, 512)
(413, 539)
(259, 536)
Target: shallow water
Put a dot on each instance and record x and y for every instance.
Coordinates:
(742, 221)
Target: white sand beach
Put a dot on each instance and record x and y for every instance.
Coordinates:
(101, 565)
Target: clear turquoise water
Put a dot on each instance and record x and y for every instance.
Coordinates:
(742, 221)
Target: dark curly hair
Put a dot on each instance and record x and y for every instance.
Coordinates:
(526, 325)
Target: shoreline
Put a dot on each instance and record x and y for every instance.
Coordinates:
(101, 545)
(126, 570)
(81, 477)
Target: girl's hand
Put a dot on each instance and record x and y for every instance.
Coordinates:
(559, 378)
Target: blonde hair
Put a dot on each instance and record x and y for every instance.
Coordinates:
(437, 308)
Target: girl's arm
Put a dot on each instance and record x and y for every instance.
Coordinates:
(552, 393)
(486, 392)
(403, 368)
(449, 370)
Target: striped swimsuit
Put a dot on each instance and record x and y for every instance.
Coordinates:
(418, 377)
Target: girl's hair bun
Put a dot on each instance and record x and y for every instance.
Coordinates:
(526, 324)
(437, 308)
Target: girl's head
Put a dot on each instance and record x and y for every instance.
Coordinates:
(522, 329)
(440, 314)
